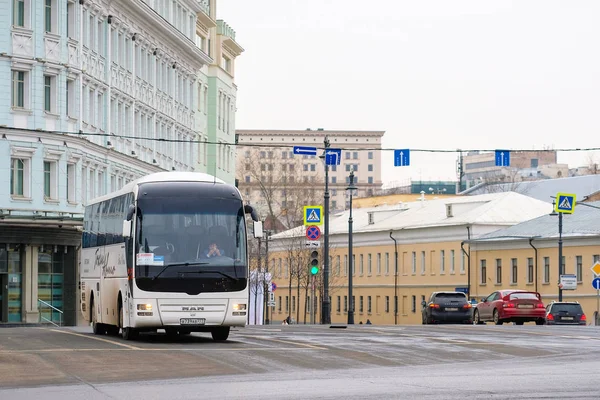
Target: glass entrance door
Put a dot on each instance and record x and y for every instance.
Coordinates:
(50, 281)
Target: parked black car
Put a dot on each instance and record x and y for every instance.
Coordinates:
(444, 307)
(565, 313)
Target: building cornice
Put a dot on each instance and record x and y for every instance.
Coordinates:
(306, 133)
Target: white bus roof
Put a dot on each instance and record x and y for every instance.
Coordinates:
(167, 176)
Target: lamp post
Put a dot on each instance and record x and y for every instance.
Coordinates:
(350, 189)
(266, 291)
(560, 256)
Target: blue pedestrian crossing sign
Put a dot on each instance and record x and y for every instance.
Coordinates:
(565, 203)
(313, 215)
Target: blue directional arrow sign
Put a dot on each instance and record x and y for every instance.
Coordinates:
(596, 283)
(401, 158)
(333, 156)
(309, 151)
(502, 158)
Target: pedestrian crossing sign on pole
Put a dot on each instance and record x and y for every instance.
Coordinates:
(565, 203)
(313, 215)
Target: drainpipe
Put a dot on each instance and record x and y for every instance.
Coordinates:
(536, 263)
(468, 254)
(395, 281)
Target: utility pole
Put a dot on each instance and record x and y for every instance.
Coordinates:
(255, 286)
(326, 306)
(266, 285)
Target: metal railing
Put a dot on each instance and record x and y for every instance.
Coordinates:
(52, 308)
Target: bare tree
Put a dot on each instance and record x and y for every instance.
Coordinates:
(592, 165)
(282, 184)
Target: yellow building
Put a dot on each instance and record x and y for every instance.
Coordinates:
(525, 256)
(432, 238)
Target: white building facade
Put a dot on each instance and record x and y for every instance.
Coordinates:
(97, 93)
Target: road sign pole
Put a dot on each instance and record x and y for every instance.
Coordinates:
(560, 251)
(325, 309)
(597, 307)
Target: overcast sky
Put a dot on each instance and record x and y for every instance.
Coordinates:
(432, 74)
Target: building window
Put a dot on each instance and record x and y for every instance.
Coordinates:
(71, 179)
(346, 265)
(462, 263)
(529, 270)
(370, 167)
(534, 163)
(514, 271)
(414, 304)
(483, 272)
(17, 177)
(361, 305)
(355, 155)
(422, 263)
(369, 304)
(414, 262)
(579, 268)
(19, 13)
(49, 93)
(338, 307)
(19, 88)
(498, 271)
(546, 269)
(345, 303)
(387, 263)
(362, 267)
(48, 15)
(370, 155)
(378, 263)
(47, 180)
(370, 179)
(387, 304)
(451, 261)
(369, 270)
(442, 261)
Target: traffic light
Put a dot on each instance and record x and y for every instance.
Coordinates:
(314, 262)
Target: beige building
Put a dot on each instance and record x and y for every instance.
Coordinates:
(432, 239)
(280, 183)
(480, 167)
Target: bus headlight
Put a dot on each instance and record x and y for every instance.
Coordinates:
(238, 307)
(144, 307)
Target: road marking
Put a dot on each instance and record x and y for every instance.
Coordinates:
(66, 350)
(310, 346)
(95, 338)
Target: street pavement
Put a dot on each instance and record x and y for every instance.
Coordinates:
(302, 361)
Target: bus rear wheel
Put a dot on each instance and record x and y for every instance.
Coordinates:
(220, 334)
(127, 333)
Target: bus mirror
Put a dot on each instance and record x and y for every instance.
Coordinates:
(130, 212)
(258, 229)
(126, 229)
(248, 209)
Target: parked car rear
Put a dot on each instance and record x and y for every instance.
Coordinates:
(446, 307)
(565, 313)
(518, 306)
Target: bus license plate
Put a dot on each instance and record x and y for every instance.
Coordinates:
(192, 321)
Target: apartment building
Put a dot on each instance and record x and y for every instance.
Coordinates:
(91, 85)
(271, 176)
(480, 167)
(402, 251)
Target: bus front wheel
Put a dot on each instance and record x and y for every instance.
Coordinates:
(220, 334)
(127, 333)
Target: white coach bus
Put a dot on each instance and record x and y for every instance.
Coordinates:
(167, 251)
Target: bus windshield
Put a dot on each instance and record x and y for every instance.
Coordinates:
(190, 234)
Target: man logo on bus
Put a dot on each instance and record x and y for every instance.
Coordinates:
(192, 308)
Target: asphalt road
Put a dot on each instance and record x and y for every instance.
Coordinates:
(299, 362)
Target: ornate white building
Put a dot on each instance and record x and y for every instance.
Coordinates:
(94, 91)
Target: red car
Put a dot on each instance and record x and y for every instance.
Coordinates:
(518, 306)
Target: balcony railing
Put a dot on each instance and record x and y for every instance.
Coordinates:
(205, 4)
(225, 30)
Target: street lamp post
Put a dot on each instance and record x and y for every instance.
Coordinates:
(351, 189)
(560, 249)
(395, 280)
(325, 303)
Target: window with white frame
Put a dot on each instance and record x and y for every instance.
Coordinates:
(378, 263)
(546, 269)
(423, 263)
(71, 182)
(50, 94)
(20, 89)
(483, 272)
(369, 269)
(71, 15)
(579, 268)
(529, 270)
(462, 262)
(414, 262)
(21, 11)
(20, 173)
(345, 265)
(387, 263)
(442, 261)
(50, 16)
(50, 180)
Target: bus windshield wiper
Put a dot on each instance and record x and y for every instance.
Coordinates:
(211, 272)
(182, 264)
